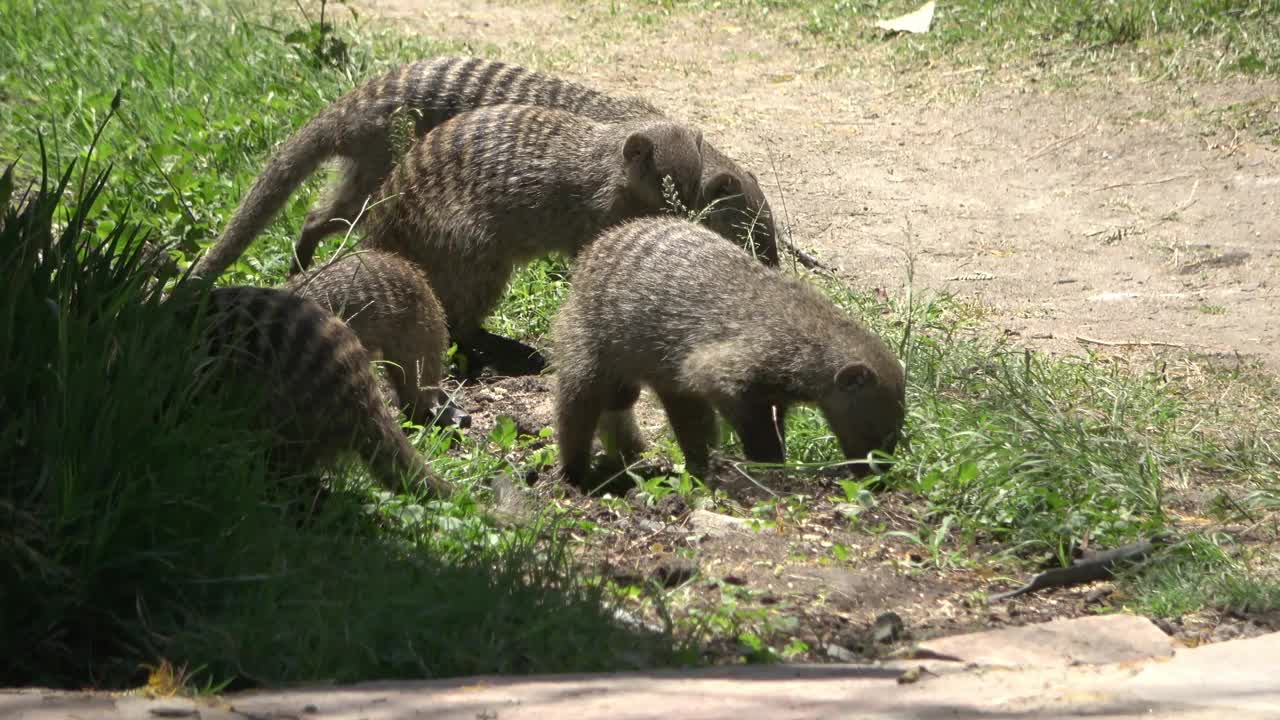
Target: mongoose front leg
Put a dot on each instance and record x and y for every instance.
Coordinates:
(761, 429)
(578, 408)
(619, 433)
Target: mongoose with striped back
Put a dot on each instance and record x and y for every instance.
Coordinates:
(386, 301)
(664, 303)
(320, 396)
(360, 127)
(493, 188)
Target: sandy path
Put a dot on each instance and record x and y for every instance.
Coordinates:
(1115, 212)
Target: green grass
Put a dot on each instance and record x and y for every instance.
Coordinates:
(154, 539)
(1034, 454)
(1185, 37)
(145, 528)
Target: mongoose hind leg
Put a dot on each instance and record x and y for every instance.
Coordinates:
(618, 431)
(693, 420)
(339, 210)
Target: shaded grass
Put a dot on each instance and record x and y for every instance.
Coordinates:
(143, 524)
(1182, 38)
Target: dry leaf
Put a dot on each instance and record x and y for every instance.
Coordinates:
(914, 22)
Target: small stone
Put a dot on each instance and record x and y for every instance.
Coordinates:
(888, 628)
(847, 511)
(911, 675)
(1097, 595)
(717, 525)
(842, 654)
(649, 526)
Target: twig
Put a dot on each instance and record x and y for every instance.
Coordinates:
(1057, 144)
(966, 71)
(1128, 343)
(806, 259)
(1191, 200)
(1161, 181)
(782, 197)
(753, 481)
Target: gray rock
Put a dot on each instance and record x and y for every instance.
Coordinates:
(717, 525)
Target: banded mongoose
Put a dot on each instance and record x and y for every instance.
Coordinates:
(361, 126)
(664, 303)
(320, 397)
(493, 188)
(386, 301)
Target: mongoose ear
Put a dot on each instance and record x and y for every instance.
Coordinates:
(638, 150)
(853, 376)
(722, 185)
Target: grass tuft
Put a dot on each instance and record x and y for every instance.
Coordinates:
(1198, 38)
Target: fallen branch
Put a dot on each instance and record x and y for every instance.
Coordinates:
(1140, 183)
(1128, 343)
(1100, 566)
(752, 480)
(1057, 144)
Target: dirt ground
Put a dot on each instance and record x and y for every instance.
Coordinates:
(1123, 212)
(1120, 212)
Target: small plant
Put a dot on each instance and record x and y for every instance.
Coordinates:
(653, 490)
(320, 44)
(931, 538)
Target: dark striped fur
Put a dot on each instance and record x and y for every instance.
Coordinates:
(666, 304)
(387, 303)
(493, 188)
(320, 394)
(358, 129)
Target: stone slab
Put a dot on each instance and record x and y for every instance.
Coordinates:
(1236, 674)
(1236, 679)
(1096, 640)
